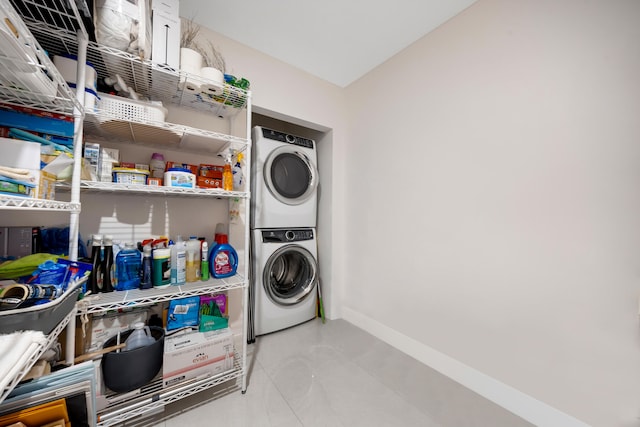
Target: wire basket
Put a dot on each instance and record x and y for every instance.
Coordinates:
(116, 107)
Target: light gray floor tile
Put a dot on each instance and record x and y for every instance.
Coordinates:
(335, 374)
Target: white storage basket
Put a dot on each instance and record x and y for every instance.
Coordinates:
(116, 107)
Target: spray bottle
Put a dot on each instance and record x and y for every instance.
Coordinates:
(204, 266)
(237, 173)
(227, 175)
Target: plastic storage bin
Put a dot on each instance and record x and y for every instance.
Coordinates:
(44, 317)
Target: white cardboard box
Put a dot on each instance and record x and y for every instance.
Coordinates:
(166, 32)
(196, 354)
(21, 154)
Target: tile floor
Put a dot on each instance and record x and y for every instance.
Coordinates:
(335, 374)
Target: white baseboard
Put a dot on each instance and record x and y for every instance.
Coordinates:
(523, 405)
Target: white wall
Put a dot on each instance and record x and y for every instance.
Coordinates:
(493, 200)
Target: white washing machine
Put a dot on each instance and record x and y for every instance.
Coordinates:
(285, 276)
(284, 180)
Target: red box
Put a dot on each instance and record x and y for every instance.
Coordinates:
(154, 181)
(128, 165)
(211, 171)
(192, 168)
(207, 182)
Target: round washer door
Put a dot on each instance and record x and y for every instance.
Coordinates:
(290, 275)
(290, 176)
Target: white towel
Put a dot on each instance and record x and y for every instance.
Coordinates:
(15, 348)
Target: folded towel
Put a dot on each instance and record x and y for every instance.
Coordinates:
(15, 348)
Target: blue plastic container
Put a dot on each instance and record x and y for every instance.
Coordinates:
(223, 259)
(128, 263)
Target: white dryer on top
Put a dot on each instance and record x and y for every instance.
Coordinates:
(284, 180)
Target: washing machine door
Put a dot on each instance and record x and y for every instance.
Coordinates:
(290, 176)
(290, 275)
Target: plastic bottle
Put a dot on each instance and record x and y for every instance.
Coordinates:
(128, 268)
(140, 337)
(95, 280)
(108, 269)
(193, 258)
(161, 271)
(146, 278)
(178, 262)
(237, 173)
(204, 266)
(227, 176)
(157, 165)
(223, 259)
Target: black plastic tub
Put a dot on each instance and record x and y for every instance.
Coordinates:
(128, 370)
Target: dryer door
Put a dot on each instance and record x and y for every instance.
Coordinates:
(290, 175)
(290, 275)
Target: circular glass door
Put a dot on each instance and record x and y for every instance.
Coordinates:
(290, 176)
(290, 275)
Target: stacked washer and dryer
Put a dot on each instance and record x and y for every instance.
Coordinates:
(284, 182)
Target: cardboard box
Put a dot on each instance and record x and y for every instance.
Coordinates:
(105, 327)
(21, 155)
(165, 17)
(92, 155)
(196, 354)
(47, 186)
(109, 155)
(206, 182)
(212, 171)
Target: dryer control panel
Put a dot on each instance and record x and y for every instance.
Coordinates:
(285, 137)
(284, 236)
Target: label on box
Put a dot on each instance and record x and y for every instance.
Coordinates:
(196, 354)
(211, 171)
(206, 182)
(192, 168)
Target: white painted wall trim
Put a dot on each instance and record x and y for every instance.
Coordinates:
(523, 405)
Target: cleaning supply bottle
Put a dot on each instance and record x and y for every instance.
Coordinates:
(204, 266)
(140, 337)
(223, 259)
(146, 278)
(95, 279)
(237, 173)
(157, 165)
(193, 259)
(128, 268)
(108, 268)
(178, 262)
(227, 175)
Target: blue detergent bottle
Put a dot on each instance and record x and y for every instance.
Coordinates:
(223, 259)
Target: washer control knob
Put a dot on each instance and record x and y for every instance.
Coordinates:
(290, 138)
(289, 235)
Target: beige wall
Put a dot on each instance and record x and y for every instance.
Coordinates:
(493, 201)
(286, 93)
(483, 207)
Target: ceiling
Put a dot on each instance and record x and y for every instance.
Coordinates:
(336, 40)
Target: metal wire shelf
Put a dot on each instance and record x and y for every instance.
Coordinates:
(28, 78)
(158, 397)
(34, 353)
(162, 135)
(155, 81)
(115, 187)
(123, 299)
(25, 203)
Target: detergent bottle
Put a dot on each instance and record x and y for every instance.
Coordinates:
(223, 259)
